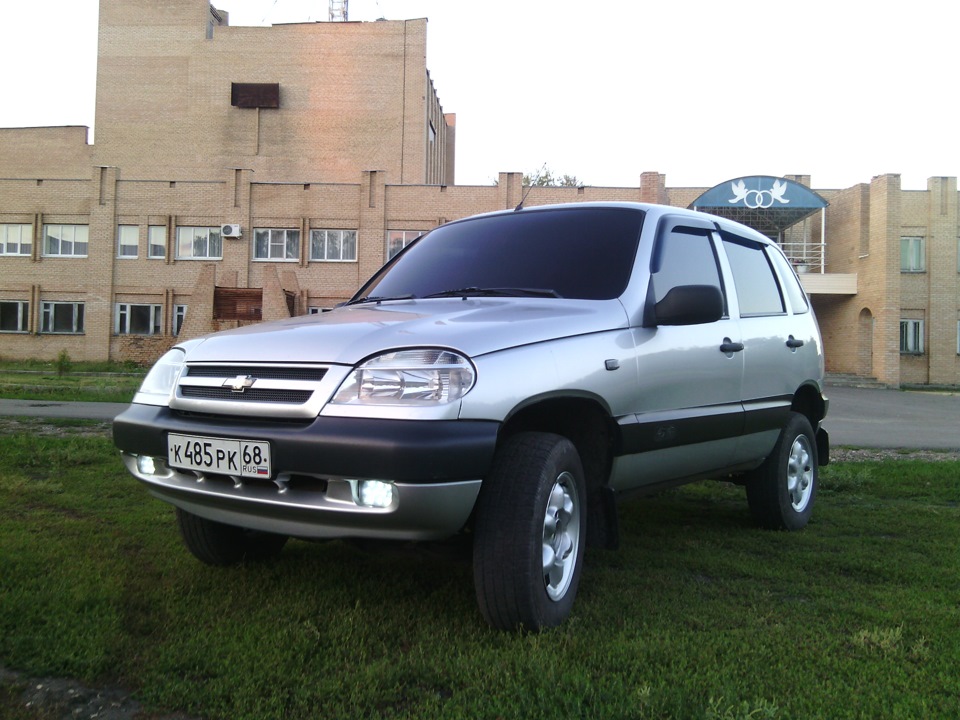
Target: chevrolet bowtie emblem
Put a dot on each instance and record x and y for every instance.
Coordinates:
(240, 383)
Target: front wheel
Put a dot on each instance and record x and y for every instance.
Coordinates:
(530, 533)
(781, 492)
(215, 543)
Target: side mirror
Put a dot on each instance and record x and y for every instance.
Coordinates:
(689, 305)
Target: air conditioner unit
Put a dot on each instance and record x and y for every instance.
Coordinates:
(231, 231)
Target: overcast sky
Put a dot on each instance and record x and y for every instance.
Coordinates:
(700, 90)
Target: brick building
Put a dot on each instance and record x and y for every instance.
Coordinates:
(325, 148)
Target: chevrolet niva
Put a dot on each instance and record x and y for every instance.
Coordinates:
(509, 377)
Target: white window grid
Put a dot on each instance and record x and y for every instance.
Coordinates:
(128, 241)
(333, 245)
(16, 239)
(14, 316)
(397, 240)
(138, 319)
(912, 254)
(61, 317)
(179, 316)
(276, 244)
(157, 242)
(911, 337)
(65, 240)
(199, 243)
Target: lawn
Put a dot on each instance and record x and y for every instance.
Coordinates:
(64, 380)
(698, 615)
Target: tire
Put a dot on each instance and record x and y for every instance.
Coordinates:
(530, 533)
(215, 543)
(782, 491)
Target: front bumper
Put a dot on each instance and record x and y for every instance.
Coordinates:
(435, 468)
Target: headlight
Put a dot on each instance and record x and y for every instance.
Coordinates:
(430, 376)
(159, 383)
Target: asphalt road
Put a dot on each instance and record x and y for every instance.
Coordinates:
(858, 417)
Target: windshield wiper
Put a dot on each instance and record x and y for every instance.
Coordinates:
(495, 292)
(379, 299)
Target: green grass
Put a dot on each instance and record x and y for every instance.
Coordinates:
(698, 615)
(72, 381)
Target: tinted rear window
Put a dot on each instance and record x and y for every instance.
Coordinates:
(584, 253)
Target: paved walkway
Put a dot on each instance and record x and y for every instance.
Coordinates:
(52, 408)
(858, 417)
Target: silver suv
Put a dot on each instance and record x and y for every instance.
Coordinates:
(510, 376)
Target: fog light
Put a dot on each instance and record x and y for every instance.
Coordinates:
(146, 465)
(375, 493)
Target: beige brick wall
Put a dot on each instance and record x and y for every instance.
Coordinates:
(350, 149)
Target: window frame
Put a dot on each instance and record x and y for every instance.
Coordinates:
(128, 230)
(151, 231)
(316, 233)
(177, 318)
(208, 230)
(915, 333)
(290, 235)
(914, 243)
(73, 242)
(122, 317)
(742, 289)
(403, 240)
(5, 241)
(22, 314)
(48, 317)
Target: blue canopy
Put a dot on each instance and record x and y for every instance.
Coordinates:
(767, 204)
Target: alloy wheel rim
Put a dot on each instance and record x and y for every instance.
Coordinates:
(800, 473)
(561, 536)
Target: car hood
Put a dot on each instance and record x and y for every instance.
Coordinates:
(347, 335)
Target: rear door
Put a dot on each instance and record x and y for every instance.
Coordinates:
(776, 342)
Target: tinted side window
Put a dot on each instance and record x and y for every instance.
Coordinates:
(757, 287)
(798, 298)
(683, 256)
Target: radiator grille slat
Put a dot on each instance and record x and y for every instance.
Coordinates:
(297, 397)
(259, 372)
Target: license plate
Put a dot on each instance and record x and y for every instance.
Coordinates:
(246, 458)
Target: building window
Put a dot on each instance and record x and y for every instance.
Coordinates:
(333, 245)
(138, 319)
(397, 240)
(179, 315)
(14, 316)
(128, 240)
(912, 255)
(911, 337)
(61, 317)
(157, 241)
(278, 245)
(65, 240)
(16, 239)
(199, 243)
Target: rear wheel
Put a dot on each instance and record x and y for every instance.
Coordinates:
(215, 543)
(530, 533)
(782, 491)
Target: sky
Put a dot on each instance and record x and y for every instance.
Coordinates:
(700, 90)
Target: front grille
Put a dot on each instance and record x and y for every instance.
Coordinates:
(261, 372)
(297, 397)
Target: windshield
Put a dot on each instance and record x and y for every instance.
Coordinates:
(584, 253)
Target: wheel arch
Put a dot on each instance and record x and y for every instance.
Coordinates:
(586, 423)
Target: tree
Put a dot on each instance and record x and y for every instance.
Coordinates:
(545, 177)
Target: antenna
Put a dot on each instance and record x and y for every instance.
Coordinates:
(533, 181)
(338, 10)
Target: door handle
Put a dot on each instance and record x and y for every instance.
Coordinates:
(793, 343)
(730, 347)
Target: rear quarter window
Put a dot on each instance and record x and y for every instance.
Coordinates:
(756, 284)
